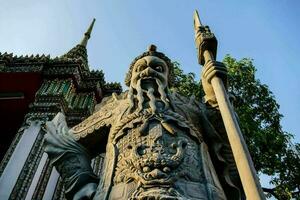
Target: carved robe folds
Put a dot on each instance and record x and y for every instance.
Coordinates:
(162, 155)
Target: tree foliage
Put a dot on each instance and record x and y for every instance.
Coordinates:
(185, 84)
(272, 152)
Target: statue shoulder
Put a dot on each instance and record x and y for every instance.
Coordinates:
(186, 103)
(104, 116)
(113, 99)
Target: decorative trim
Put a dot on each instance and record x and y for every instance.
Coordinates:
(59, 193)
(43, 180)
(29, 168)
(12, 147)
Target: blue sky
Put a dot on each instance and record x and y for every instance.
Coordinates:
(265, 30)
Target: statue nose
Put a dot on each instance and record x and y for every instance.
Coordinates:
(146, 72)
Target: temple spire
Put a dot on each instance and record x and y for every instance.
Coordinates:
(87, 34)
(79, 52)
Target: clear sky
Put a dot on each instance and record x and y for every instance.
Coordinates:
(266, 30)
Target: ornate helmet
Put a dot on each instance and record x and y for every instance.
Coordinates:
(152, 52)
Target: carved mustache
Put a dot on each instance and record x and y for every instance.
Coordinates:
(150, 73)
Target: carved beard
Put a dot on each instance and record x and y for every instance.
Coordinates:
(154, 93)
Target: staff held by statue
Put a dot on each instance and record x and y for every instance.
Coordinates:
(206, 44)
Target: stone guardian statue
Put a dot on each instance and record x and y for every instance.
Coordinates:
(158, 144)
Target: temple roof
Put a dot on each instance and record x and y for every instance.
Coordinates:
(73, 64)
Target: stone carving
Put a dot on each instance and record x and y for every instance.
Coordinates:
(157, 144)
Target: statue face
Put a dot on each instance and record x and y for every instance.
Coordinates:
(149, 72)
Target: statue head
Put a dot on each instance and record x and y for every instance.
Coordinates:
(148, 78)
(150, 65)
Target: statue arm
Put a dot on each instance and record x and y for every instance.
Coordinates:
(71, 159)
(210, 70)
(222, 152)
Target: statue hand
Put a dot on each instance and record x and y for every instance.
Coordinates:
(86, 192)
(210, 70)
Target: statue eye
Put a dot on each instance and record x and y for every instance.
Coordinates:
(158, 68)
(140, 68)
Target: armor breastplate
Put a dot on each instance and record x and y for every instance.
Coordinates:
(161, 161)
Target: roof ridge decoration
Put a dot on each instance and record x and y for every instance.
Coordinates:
(9, 57)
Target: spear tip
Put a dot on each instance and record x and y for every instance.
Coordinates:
(197, 21)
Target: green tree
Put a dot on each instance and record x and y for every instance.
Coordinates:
(272, 152)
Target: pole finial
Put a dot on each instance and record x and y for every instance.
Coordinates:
(197, 21)
(87, 34)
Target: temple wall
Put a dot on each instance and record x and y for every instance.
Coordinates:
(18, 159)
